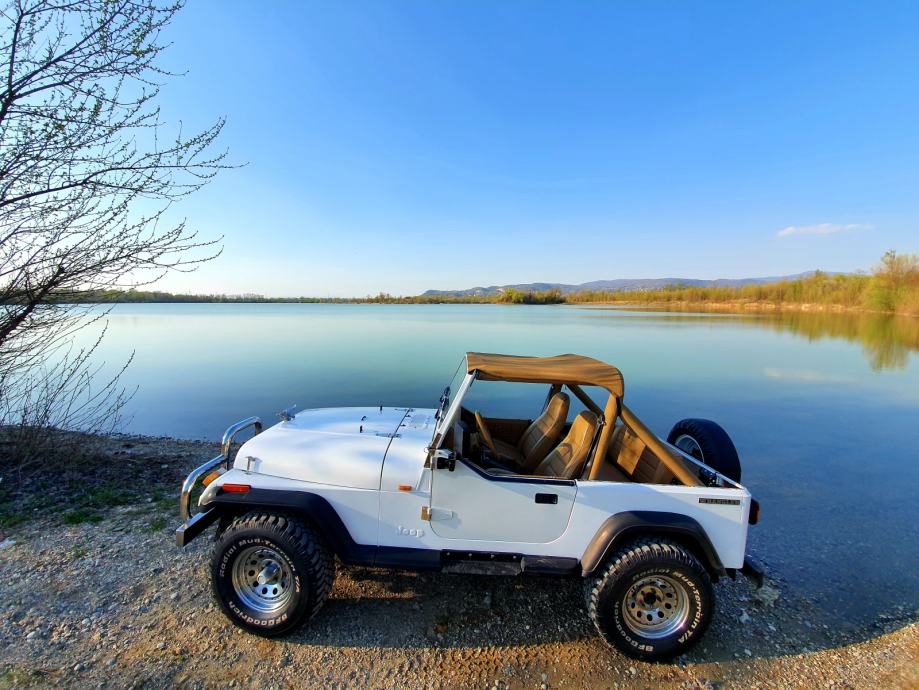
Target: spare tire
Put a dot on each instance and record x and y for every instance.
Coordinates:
(706, 441)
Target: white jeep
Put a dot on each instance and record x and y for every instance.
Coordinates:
(649, 524)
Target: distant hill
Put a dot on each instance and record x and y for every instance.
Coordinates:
(614, 285)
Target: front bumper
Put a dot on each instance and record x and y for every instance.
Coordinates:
(193, 525)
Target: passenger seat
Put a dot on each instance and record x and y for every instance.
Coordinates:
(539, 437)
(568, 458)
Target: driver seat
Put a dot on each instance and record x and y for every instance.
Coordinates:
(539, 437)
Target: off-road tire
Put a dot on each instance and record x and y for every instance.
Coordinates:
(296, 552)
(608, 598)
(718, 451)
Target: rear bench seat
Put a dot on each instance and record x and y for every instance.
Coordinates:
(628, 459)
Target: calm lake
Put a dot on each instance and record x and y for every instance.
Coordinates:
(824, 409)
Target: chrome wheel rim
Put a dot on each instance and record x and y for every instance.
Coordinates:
(262, 579)
(690, 446)
(655, 606)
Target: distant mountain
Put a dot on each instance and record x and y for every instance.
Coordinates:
(614, 285)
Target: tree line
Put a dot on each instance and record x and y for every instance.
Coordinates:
(893, 286)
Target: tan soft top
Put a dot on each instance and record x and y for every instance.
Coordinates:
(561, 369)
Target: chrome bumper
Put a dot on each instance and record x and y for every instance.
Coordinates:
(184, 532)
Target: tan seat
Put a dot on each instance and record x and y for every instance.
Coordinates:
(627, 454)
(567, 459)
(539, 437)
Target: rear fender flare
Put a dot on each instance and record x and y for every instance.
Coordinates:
(624, 527)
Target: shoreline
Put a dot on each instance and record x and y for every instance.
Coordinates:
(732, 307)
(744, 307)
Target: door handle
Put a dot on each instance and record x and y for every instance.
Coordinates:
(431, 513)
(551, 499)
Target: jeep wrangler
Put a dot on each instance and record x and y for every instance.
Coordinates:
(648, 524)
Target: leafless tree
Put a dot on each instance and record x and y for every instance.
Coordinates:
(87, 171)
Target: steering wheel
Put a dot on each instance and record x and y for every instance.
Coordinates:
(486, 434)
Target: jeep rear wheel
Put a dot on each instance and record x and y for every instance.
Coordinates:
(653, 601)
(271, 573)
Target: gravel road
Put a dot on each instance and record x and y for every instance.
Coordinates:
(114, 603)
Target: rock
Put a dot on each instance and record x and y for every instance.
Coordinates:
(7, 543)
(767, 595)
(744, 617)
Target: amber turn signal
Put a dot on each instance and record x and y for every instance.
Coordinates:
(405, 487)
(211, 477)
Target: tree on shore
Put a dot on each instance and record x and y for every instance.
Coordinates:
(895, 283)
(88, 169)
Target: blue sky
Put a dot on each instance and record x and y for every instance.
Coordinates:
(411, 145)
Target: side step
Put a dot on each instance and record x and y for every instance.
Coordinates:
(485, 563)
(478, 563)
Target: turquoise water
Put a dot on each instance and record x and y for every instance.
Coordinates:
(824, 410)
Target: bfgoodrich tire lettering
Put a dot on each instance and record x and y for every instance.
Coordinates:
(679, 603)
(270, 573)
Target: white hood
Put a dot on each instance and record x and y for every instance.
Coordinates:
(342, 446)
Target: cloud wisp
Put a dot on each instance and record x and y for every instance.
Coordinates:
(821, 229)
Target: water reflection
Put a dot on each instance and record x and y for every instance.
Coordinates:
(886, 340)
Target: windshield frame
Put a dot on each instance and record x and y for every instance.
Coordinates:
(446, 420)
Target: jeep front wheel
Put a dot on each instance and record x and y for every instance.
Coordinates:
(653, 601)
(270, 573)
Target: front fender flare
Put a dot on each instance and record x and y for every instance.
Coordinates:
(622, 527)
(313, 507)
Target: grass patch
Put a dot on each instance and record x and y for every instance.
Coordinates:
(11, 519)
(157, 525)
(79, 516)
(16, 677)
(10, 516)
(166, 502)
(106, 481)
(104, 496)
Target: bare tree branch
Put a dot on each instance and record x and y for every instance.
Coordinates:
(85, 182)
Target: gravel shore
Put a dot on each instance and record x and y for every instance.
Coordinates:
(96, 596)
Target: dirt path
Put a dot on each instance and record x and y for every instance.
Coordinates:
(116, 604)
